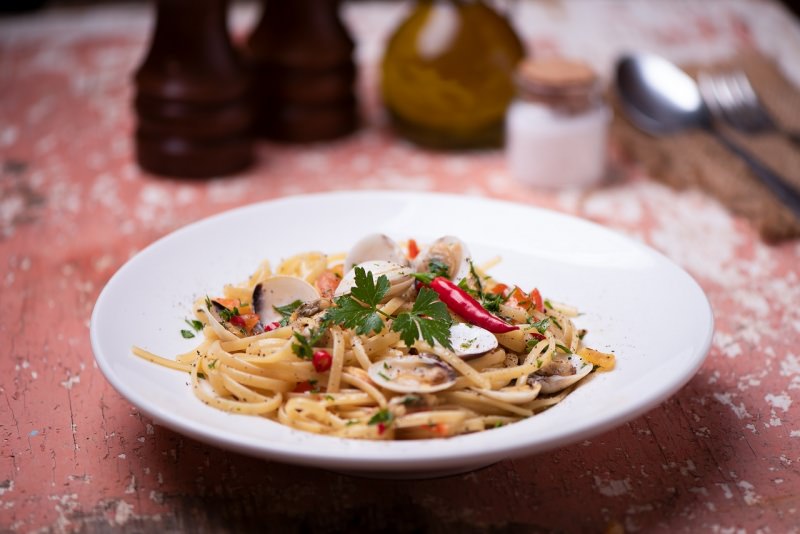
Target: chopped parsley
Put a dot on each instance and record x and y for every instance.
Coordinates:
(201, 376)
(187, 334)
(412, 400)
(287, 311)
(542, 325)
(385, 377)
(438, 268)
(563, 348)
(555, 322)
(329, 398)
(226, 314)
(383, 416)
(195, 324)
(548, 304)
(492, 301)
(303, 346)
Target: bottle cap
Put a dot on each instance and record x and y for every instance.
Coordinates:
(565, 84)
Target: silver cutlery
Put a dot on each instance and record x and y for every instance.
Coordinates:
(731, 98)
(660, 98)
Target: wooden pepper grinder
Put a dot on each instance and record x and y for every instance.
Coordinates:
(191, 94)
(303, 72)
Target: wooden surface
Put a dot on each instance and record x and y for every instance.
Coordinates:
(721, 456)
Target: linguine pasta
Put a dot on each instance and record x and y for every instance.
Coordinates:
(316, 368)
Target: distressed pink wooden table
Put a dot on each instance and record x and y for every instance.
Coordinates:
(720, 456)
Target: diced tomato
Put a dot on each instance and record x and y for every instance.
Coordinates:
(537, 300)
(381, 428)
(271, 326)
(499, 289)
(441, 429)
(302, 387)
(229, 303)
(245, 320)
(519, 298)
(327, 282)
(322, 361)
(413, 249)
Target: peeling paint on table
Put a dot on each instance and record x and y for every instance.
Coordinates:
(719, 456)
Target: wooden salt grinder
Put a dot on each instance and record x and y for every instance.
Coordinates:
(191, 94)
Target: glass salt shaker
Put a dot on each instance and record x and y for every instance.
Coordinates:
(557, 127)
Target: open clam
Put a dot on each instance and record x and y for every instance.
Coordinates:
(399, 277)
(280, 291)
(560, 373)
(448, 252)
(412, 374)
(470, 341)
(375, 247)
(223, 329)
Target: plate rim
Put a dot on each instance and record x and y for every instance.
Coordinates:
(340, 457)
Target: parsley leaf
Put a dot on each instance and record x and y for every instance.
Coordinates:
(287, 311)
(383, 416)
(359, 309)
(195, 324)
(367, 290)
(350, 314)
(563, 348)
(187, 334)
(428, 319)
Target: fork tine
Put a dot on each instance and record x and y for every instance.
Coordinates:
(759, 115)
(738, 108)
(727, 101)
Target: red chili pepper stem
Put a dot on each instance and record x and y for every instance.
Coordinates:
(462, 303)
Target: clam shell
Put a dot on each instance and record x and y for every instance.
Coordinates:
(555, 383)
(280, 291)
(375, 247)
(412, 374)
(450, 250)
(216, 323)
(470, 341)
(399, 277)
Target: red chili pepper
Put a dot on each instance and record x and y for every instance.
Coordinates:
(468, 308)
(322, 361)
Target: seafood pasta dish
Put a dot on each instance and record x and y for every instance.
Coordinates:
(391, 340)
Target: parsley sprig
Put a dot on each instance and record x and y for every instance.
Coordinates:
(428, 318)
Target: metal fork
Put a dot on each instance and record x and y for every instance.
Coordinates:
(730, 97)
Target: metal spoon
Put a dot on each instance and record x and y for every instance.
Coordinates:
(660, 98)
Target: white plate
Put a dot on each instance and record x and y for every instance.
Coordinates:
(635, 302)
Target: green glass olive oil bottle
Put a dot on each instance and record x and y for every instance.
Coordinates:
(447, 74)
